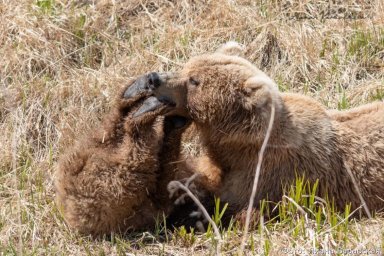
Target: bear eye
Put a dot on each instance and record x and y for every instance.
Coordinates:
(194, 81)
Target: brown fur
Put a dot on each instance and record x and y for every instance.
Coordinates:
(112, 180)
(230, 101)
(115, 179)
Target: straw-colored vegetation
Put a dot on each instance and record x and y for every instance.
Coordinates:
(62, 62)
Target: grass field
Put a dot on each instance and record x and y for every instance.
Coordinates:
(62, 62)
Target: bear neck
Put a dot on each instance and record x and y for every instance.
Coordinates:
(302, 143)
(297, 130)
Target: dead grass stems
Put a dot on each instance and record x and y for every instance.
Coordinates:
(256, 178)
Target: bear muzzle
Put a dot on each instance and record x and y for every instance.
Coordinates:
(143, 84)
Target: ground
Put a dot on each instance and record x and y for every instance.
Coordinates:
(62, 62)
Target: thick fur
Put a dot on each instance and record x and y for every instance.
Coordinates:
(113, 180)
(230, 101)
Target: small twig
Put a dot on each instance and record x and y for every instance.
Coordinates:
(174, 185)
(319, 199)
(301, 210)
(256, 179)
(165, 59)
(364, 204)
(345, 219)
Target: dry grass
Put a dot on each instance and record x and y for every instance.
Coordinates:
(63, 60)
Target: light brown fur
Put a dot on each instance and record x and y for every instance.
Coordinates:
(230, 101)
(112, 180)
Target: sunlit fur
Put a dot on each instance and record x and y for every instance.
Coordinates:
(231, 108)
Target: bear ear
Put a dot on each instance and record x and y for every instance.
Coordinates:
(231, 48)
(260, 90)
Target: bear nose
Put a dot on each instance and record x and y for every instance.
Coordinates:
(154, 80)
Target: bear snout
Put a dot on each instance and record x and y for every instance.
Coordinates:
(138, 87)
(144, 84)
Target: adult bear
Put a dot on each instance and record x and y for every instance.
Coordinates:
(230, 101)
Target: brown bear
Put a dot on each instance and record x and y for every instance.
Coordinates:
(116, 177)
(230, 101)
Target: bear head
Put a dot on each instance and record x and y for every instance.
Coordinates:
(221, 91)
